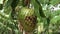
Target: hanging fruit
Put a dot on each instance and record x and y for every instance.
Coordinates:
(27, 19)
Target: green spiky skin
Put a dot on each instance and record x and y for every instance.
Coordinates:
(27, 19)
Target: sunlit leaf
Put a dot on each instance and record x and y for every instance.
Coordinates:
(55, 19)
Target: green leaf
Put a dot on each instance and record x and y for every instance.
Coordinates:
(54, 2)
(55, 19)
(8, 3)
(44, 1)
(8, 10)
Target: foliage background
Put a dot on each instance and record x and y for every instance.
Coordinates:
(51, 9)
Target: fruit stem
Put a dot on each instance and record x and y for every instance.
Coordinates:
(26, 3)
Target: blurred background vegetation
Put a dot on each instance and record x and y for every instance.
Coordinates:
(46, 25)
